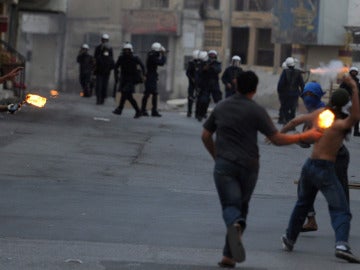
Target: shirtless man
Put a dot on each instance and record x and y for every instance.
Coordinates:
(318, 173)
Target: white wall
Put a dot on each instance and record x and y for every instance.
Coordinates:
(333, 17)
(353, 13)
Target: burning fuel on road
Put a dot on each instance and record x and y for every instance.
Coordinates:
(35, 100)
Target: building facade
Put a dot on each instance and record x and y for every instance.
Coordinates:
(263, 33)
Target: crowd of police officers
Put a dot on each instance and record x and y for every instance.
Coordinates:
(203, 72)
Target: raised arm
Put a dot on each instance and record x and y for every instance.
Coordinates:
(355, 109)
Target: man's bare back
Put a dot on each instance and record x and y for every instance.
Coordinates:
(327, 147)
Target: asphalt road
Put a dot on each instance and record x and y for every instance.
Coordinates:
(81, 188)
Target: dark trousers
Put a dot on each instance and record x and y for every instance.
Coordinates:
(85, 82)
(288, 105)
(150, 89)
(154, 101)
(102, 81)
(127, 94)
(202, 105)
(191, 98)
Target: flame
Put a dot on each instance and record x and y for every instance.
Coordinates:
(326, 118)
(35, 100)
(54, 93)
(322, 71)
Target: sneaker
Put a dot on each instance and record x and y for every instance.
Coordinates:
(286, 243)
(345, 254)
(144, 113)
(137, 115)
(155, 114)
(117, 111)
(237, 249)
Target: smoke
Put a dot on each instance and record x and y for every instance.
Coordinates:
(327, 74)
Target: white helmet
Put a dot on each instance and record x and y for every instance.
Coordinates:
(195, 54)
(354, 69)
(203, 56)
(85, 46)
(156, 46)
(129, 46)
(212, 52)
(105, 36)
(290, 62)
(236, 58)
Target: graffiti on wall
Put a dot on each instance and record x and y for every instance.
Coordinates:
(295, 21)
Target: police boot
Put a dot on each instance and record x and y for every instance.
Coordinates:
(154, 111)
(143, 107)
(155, 114)
(189, 111)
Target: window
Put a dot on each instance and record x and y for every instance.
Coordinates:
(240, 5)
(92, 39)
(260, 5)
(207, 4)
(155, 3)
(356, 56)
(265, 49)
(192, 4)
(240, 42)
(213, 37)
(214, 4)
(253, 5)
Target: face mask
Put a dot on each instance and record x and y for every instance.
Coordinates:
(312, 103)
(346, 108)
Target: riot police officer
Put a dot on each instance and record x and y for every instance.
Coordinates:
(156, 57)
(86, 68)
(192, 72)
(290, 87)
(209, 84)
(230, 74)
(104, 63)
(128, 64)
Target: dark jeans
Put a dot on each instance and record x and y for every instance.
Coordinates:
(235, 185)
(341, 168)
(320, 175)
